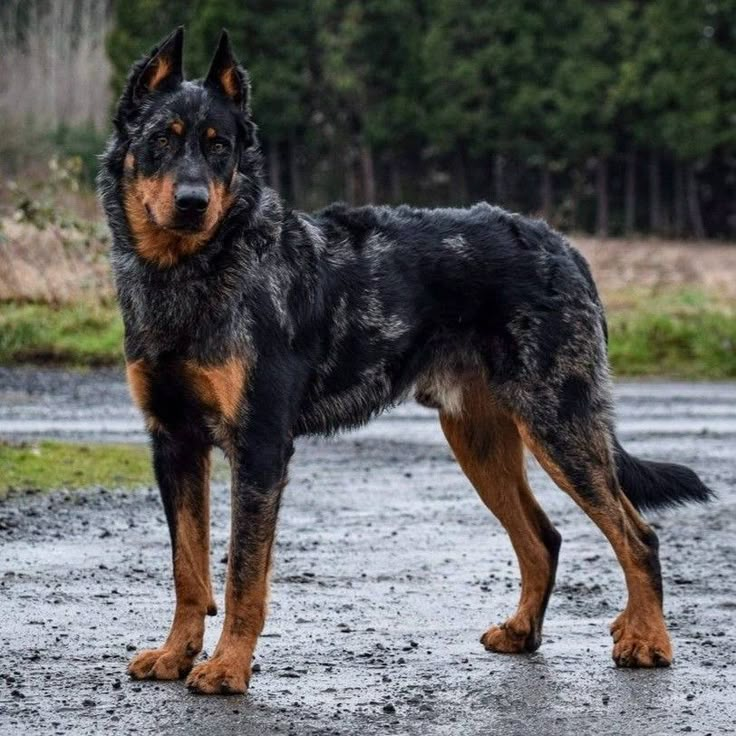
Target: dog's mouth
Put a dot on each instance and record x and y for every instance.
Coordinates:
(182, 225)
(149, 214)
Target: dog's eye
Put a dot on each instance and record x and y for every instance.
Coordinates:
(218, 147)
(162, 141)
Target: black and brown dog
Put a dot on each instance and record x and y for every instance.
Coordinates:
(247, 324)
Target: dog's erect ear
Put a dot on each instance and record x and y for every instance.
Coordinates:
(160, 71)
(227, 76)
(164, 68)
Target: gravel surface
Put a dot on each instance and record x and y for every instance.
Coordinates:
(388, 569)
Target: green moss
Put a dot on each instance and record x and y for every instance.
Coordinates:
(686, 334)
(80, 334)
(50, 465)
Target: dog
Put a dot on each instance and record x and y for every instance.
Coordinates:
(248, 324)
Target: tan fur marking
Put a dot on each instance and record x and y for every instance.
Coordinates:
(139, 384)
(230, 83)
(248, 607)
(219, 387)
(162, 70)
(194, 598)
(129, 163)
(177, 127)
(488, 448)
(211, 133)
(149, 206)
(245, 614)
(553, 470)
(191, 567)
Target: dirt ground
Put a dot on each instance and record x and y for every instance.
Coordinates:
(388, 568)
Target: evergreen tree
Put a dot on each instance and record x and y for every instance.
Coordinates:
(517, 101)
(273, 41)
(369, 65)
(138, 26)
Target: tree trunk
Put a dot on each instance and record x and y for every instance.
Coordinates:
(274, 165)
(655, 200)
(369, 179)
(461, 178)
(602, 197)
(546, 193)
(395, 177)
(575, 199)
(350, 188)
(679, 199)
(499, 189)
(693, 204)
(294, 173)
(630, 195)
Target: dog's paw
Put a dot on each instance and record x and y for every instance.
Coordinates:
(640, 644)
(219, 675)
(160, 664)
(511, 637)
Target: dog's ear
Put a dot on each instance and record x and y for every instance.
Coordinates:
(161, 71)
(164, 68)
(227, 76)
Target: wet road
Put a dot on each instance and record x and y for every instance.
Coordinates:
(388, 569)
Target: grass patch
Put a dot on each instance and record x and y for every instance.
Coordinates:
(685, 334)
(51, 465)
(79, 334)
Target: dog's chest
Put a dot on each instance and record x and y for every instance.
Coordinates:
(180, 395)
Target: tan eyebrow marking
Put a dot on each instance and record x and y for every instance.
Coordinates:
(177, 127)
(211, 132)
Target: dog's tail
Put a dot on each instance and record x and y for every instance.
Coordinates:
(652, 485)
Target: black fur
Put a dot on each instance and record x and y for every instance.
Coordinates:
(651, 485)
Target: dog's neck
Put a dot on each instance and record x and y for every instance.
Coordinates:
(203, 291)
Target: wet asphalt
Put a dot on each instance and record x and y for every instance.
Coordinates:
(388, 569)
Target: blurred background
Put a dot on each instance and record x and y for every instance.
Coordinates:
(603, 116)
(613, 119)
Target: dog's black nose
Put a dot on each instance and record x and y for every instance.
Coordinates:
(191, 199)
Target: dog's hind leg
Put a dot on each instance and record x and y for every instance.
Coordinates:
(488, 447)
(182, 471)
(575, 448)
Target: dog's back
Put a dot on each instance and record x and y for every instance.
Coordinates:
(409, 294)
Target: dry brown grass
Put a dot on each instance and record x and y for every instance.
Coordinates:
(658, 266)
(54, 265)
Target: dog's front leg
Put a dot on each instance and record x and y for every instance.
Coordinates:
(259, 475)
(181, 464)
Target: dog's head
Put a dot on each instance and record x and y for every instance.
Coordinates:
(185, 143)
